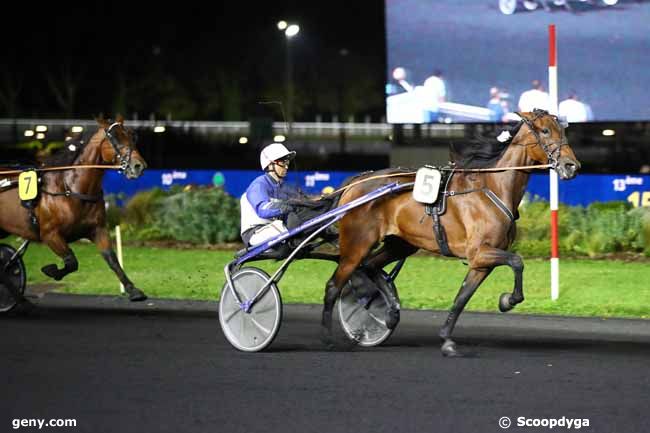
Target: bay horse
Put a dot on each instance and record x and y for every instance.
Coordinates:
(479, 220)
(71, 204)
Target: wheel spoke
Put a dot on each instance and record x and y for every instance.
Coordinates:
(377, 319)
(232, 314)
(356, 308)
(271, 307)
(242, 326)
(259, 326)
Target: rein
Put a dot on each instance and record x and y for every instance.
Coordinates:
(124, 161)
(65, 167)
(455, 170)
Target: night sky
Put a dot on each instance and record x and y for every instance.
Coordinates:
(141, 57)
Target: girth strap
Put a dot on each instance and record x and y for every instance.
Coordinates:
(441, 235)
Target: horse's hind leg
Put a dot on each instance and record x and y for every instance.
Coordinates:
(103, 243)
(394, 249)
(352, 253)
(60, 247)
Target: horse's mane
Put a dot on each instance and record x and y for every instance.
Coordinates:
(481, 151)
(68, 154)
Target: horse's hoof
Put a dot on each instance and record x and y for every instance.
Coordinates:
(504, 303)
(357, 336)
(25, 306)
(327, 339)
(137, 295)
(449, 350)
(51, 271)
(392, 318)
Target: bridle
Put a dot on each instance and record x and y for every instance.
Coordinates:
(552, 153)
(123, 161)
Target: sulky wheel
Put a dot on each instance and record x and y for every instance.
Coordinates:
(362, 310)
(14, 274)
(254, 330)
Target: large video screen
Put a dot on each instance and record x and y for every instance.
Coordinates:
(482, 60)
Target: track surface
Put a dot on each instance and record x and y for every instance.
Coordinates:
(164, 366)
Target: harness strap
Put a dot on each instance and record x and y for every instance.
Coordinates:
(435, 211)
(491, 195)
(30, 205)
(441, 206)
(77, 195)
(500, 204)
(441, 235)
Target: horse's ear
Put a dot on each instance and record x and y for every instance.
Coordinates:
(119, 118)
(101, 121)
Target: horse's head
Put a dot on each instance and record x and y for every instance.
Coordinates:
(546, 142)
(119, 147)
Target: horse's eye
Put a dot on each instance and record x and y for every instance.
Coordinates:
(545, 131)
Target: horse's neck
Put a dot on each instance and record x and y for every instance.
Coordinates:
(87, 180)
(510, 185)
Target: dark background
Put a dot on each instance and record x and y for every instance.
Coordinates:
(216, 61)
(193, 61)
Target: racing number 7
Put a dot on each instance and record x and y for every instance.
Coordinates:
(27, 185)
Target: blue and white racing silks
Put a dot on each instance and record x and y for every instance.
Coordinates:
(260, 202)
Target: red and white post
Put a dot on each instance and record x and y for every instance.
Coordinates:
(553, 179)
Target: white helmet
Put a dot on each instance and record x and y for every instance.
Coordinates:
(274, 152)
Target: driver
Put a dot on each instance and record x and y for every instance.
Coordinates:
(265, 204)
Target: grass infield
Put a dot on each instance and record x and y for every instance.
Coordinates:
(603, 288)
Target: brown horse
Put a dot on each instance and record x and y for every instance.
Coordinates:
(71, 204)
(479, 220)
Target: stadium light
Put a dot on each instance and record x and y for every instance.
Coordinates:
(41, 128)
(243, 140)
(290, 30)
(159, 129)
(29, 133)
(608, 132)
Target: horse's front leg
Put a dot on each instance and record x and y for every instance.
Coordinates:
(60, 247)
(472, 280)
(507, 301)
(103, 242)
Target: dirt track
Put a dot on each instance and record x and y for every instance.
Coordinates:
(165, 367)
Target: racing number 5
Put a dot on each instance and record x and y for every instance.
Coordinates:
(427, 184)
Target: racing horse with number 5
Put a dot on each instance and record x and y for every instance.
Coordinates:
(481, 197)
(70, 205)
